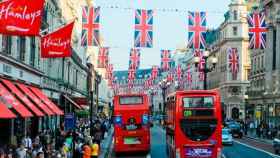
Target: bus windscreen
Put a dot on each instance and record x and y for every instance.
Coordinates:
(198, 102)
(131, 100)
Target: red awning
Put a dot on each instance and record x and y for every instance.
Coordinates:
(9, 100)
(46, 100)
(72, 102)
(37, 101)
(5, 113)
(22, 97)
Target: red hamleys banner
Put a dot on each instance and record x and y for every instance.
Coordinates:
(57, 44)
(21, 17)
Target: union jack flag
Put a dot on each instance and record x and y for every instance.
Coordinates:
(257, 30)
(131, 74)
(148, 83)
(130, 85)
(134, 59)
(197, 30)
(103, 57)
(233, 59)
(189, 76)
(199, 54)
(165, 60)
(109, 72)
(154, 73)
(170, 77)
(90, 26)
(179, 72)
(143, 35)
(116, 88)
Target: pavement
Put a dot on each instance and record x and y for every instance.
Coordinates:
(106, 144)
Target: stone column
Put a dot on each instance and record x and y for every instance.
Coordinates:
(269, 58)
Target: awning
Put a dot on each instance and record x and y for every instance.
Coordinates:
(46, 100)
(72, 102)
(37, 101)
(5, 113)
(9, 100)
(81, 101)
(22, 97)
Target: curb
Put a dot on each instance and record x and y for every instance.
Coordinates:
(260, 140)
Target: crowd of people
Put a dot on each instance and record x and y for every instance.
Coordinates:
(82, 142)
(262, 130)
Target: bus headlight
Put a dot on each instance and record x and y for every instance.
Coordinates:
(145, 119)
(178, 153)
(118, 120)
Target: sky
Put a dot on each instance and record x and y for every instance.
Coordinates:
(169, 27)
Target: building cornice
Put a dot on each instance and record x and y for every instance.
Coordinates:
(21, 65)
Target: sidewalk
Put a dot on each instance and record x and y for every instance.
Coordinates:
(252, 135)
(106, 143)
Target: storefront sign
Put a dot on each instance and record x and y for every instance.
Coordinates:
(21, 17)
(258, 114)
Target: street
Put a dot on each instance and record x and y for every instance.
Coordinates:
(157, 145)
(242, 148)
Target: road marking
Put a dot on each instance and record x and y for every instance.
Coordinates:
(249, 146)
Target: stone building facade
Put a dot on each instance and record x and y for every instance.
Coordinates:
(264, 95)
(232, 33)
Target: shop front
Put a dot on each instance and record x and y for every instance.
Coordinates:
(28, 111)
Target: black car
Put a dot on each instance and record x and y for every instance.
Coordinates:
(235, 129)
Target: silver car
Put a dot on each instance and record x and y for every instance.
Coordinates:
(227, 137)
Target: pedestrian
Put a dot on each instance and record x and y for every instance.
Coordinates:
(86, 151)
(94, 150)
(2, 153)
(40, 155)
(21, 151)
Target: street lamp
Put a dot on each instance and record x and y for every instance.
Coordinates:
(205, 69)
(164, 84)
(97, 82)
(152, 93)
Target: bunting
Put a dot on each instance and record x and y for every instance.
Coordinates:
(103, 57)
(143, 35)
(189, 76)
(197, 30)
(165, 60)
(179, 72)
(90, 26)
(257, 30)
(134, 59)
(233, 61)
(154, 73)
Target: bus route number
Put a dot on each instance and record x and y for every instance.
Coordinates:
(187, 113)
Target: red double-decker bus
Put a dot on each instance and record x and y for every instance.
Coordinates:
(131, 123)
(194, 124)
